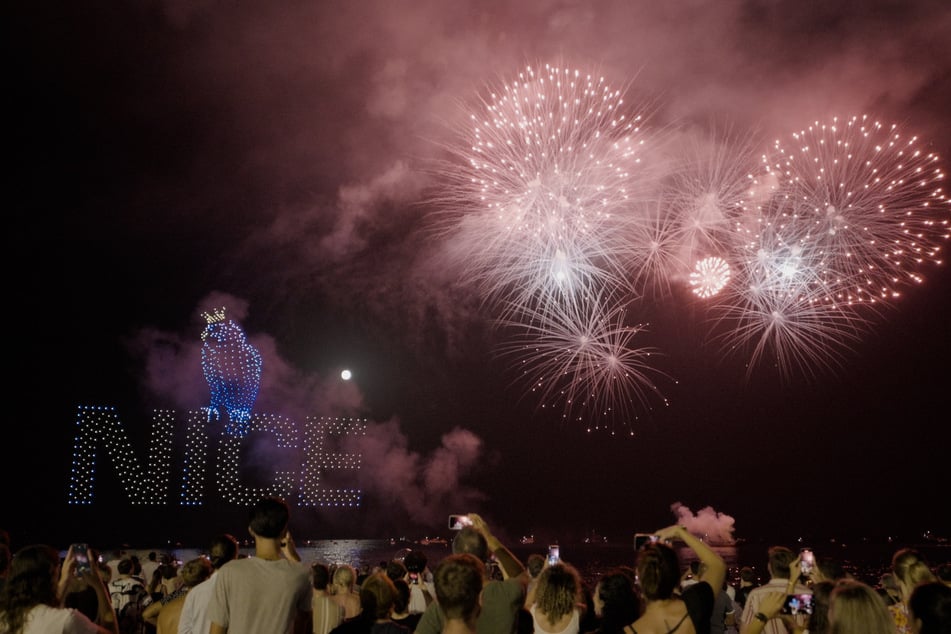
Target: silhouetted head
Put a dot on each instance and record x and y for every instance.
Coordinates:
(857, 607)
(534, 564)
(658, 571)
(196, 570)
(415, 561)
(401, 600)
(779, 559)
(125, 566)
(224, 548)
(395, 569)
(615, 599)
(469, 540)
(320, 574)
(458, 580)
(377, 594)
(269, 518)
(930, 608)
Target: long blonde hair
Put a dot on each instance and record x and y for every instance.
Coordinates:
(856, 608)
(910, 568)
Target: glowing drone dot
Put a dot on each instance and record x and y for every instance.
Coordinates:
(345, 375)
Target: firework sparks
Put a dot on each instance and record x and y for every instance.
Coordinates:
(581, 360)
(537, 199)
(873, 198)
(710, 276)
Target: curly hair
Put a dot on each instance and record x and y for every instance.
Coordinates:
(559, 590)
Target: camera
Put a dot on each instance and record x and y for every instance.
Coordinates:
(798, 604)
(457, 522)
(807, 561)
(554, 555)
(81, 558)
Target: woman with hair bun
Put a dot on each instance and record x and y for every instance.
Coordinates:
(667, 609)
(910, 569)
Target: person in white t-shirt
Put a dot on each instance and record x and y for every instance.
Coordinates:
(194, 618)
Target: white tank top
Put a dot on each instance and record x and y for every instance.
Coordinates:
(573, 627)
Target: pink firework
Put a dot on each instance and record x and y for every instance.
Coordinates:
(873, 199)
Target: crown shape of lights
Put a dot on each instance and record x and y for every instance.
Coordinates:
(216, 316)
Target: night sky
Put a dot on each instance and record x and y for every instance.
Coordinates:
(281, 159)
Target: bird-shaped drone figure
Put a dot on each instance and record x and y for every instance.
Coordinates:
(232, 367)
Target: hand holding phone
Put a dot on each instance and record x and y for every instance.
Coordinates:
(458, 522)
(796, 604)
(807, 561)
(554, 554)
(81, 557)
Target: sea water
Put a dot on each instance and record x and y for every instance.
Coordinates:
(865, 561)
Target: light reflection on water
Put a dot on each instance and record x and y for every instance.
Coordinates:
(590, 560)
(865, 561)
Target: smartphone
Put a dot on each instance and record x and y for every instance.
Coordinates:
(554, 554)
(81, 559)
(414, 578)
(456, 522)
(807, 561)
(798, 604)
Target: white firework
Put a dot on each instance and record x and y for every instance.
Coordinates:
(709, 277)
(581, 361)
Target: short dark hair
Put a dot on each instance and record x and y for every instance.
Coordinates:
(395, 569)
(377, 594)
(931, 602)
(269, 517)
(321, 575)
(415, 561)
(779, 559)
(125, 566)
(470, 540)
(458, 582)
(224, 548)
(534, 564)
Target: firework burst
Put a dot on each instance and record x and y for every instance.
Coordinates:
(873, 199)
(781, 309)
(545, 173)
(581, 361)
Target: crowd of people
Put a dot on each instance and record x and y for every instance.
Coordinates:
(480, 588)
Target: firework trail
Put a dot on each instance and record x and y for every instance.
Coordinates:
(709, 191)
(581, 360)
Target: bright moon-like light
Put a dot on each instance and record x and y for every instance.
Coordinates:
(345, 375)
